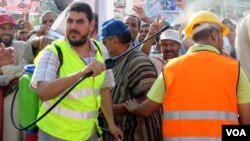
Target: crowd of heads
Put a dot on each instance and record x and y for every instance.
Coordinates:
(169, 43)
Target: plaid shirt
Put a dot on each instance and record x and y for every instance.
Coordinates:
(158, 61)
(48, 65)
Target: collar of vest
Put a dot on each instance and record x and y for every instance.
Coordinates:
(200, 47)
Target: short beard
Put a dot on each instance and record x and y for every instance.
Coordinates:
(77, 43)
(165, 57)
(7, 44)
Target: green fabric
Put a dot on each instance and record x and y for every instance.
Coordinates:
(157, 91)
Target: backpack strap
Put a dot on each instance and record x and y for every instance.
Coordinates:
(97, 46)
(60, 56)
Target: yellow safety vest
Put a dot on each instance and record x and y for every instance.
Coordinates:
(75, 117)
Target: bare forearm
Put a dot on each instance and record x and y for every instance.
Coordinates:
(35, 42)
(147, 108)
(106, 105)
(119, 109)
(244, 113)
(146, 47)
(51, 89)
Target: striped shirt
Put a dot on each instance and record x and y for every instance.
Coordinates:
(48, 65)
(134, 76)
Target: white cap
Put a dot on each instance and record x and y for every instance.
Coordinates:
(171, 34)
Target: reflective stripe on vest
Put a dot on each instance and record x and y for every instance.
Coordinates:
(192, 139)
(83, 93)
(71, 114)
(209, 115)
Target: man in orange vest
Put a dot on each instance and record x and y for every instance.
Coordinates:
(201, 90)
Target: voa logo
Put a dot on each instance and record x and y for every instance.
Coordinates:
(236, 132)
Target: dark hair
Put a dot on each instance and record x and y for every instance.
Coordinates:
(125, 37)
(227, 21)
(95, 17)
(134, 16)
(95, 29)
(203, 34)
(81, 7)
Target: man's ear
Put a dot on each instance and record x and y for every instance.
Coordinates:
(91, 25)
(214, 35)
(115, 40)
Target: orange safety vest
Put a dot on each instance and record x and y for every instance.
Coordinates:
(200, 96)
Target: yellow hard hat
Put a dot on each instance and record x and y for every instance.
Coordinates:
(204, 17)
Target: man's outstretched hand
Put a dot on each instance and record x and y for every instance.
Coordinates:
(7, 55)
